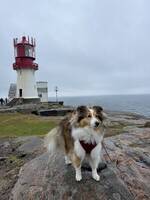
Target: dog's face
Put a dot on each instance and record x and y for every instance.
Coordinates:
(89, 117)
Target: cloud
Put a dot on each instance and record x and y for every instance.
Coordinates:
(83, 47)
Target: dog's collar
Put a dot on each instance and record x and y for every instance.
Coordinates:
(88, 147)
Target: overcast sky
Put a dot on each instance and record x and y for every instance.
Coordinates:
(85, 47)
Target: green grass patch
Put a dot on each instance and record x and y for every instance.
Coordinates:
(16, 124)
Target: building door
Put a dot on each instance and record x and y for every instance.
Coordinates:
(20, 92)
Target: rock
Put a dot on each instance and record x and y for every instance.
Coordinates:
(6, 144)
(133, 159)
(30, 145)
(138, 155)
(47, 177)
(5, 147)
(3, 158)
(147, 125)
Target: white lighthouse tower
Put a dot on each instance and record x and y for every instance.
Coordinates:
(25, 68)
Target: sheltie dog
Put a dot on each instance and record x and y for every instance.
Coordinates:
(80, 135)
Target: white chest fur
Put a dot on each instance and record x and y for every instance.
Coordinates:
(87, 134)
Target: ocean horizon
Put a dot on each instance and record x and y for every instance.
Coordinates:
(138, 104)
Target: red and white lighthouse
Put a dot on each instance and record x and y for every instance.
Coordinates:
(25, 67)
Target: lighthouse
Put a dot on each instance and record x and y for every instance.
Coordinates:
(24, 52)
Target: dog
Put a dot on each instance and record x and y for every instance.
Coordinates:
(79, 136)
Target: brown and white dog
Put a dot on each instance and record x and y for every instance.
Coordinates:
(80, 135)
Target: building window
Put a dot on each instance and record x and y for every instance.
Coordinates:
(28, 51)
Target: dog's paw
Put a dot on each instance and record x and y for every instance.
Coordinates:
(67, 160)
(96, 177)
(78, 178)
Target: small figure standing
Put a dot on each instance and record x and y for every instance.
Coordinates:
(6, 101)
(1, 101)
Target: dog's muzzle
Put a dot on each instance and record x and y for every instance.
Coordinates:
(96, 124)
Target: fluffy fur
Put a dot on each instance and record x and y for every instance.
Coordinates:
(80, 135)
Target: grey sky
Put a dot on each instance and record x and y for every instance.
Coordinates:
(83, 46)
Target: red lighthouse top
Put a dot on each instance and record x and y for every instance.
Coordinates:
(24, 54)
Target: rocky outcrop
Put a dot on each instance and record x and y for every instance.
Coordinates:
(47, 177)
(127, 177)
(131, 153)
(30, 144)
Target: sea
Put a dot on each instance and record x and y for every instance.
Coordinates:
(138, 104)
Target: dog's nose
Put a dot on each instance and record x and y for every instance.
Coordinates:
(97, 124)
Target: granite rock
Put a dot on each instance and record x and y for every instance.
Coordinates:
(47, 177)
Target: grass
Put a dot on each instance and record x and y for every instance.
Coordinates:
(16, 124)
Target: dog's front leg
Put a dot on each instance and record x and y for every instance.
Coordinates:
(77, 165)
(78, 173)
(67, 160)
(77, 158)
(94, 161)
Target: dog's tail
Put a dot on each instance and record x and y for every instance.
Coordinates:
(54, 140)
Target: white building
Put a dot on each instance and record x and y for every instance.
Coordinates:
(26, 84)
(25, 68)
(42, 89)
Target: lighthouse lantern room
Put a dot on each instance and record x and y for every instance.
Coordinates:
(24, 52)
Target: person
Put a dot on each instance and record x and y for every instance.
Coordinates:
(6, 101)
(1, 101)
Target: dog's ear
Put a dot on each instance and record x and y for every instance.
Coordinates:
(99, 112)
(81, 109)
(81, 112)
(98, 109)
